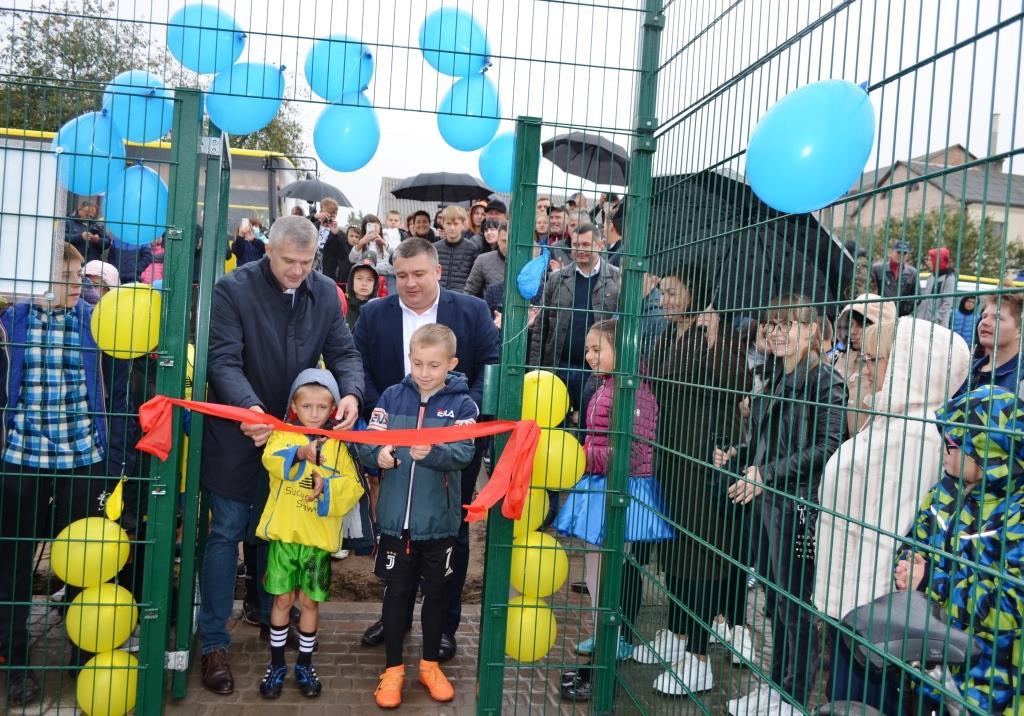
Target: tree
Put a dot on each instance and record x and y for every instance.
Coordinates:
(56, 60)
(976, 250)
(283, 135)
(355, 218)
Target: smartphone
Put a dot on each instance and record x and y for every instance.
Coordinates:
(371, 229)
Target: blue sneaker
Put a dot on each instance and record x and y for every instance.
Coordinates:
(585, 647)
(307, 681)
(273, 681)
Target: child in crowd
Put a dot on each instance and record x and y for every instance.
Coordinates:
(455, 253)
(55, 443)
(313, 483)
(361, 287)
(582, 514)
(965, 550)
(418, 509)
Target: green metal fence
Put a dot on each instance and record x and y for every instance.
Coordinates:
(720, 301)
(107, 654)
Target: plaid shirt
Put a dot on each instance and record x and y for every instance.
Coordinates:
(52, 428)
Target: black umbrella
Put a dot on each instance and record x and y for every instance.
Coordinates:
(445, 187)
(312, 190)
(590, 156)
(749, 252)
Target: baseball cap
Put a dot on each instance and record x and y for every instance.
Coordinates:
(497, 205)
(873, 308)
(901, 247)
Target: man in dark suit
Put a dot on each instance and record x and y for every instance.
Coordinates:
(382, 336)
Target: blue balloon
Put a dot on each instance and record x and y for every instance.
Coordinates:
(347, 133)
(470, 113)
(140, 106)
(338, 65)
(811, 146)
(204, 38)
(497, 162)
(136, 206)
(90, 153)
(453, 43)
(245, 97)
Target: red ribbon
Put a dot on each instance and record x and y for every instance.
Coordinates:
(509, 480)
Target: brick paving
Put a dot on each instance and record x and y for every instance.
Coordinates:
(350, 671)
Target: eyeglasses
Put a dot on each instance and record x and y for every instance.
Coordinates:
(771, 326)
(865, 359)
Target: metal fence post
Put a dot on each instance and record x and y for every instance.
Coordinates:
(631, 299)
(493, 617)
(211, 266)
(163, 489)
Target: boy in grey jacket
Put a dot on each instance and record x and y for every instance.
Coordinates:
(419, 507)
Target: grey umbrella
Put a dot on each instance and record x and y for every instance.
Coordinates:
(444, 187)
(314, 190)
(589, 156)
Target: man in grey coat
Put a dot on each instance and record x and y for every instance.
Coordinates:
(575, 297)
(269, 320)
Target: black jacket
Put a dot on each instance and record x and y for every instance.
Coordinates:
(378, 336)
(260, 339)
(888, 286)
(336, 265)
(796, 425)
(73, 230)
(457, 261)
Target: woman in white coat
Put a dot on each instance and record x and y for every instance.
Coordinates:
(872, 485)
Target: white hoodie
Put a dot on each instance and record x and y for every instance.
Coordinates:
(880, 475)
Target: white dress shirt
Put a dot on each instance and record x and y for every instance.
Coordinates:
(411, 321)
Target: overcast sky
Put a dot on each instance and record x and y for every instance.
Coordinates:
(574, 64)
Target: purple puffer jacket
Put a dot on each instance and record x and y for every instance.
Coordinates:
(599, 418)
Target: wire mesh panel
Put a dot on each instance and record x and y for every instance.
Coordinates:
(757, 281)
(89, 334)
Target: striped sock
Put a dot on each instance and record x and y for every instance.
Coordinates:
(278, 639)
(307, 640)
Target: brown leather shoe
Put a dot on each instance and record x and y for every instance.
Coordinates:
(217, 672)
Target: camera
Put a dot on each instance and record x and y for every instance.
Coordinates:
(95, 228)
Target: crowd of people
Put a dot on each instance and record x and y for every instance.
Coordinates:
(833, 460)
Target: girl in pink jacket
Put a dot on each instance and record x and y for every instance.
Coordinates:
(582, 514)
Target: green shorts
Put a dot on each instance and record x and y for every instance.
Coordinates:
(297, 566)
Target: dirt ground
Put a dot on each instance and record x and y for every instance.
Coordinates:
(352, 578)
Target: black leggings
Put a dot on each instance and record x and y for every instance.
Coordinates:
(633, 584)
(395, 614)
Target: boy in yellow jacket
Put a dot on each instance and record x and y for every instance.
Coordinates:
(313, 484)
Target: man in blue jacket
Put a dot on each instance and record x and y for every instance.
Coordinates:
(385, 351)
(270, 320)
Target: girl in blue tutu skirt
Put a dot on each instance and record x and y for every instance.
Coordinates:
(582, 513)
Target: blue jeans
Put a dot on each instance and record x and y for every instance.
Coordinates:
(228, 526)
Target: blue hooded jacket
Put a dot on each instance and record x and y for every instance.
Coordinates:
(981, 586)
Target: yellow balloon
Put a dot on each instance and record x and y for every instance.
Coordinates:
(531, 629)
(545, 398)
(102, 618)
(107, 683)
(89, 551)
(534, 512)
(230, 264)
(539, 565)
(114, 505)
(184, 464)
(559, 462)
(126, 320)
(190, 365)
